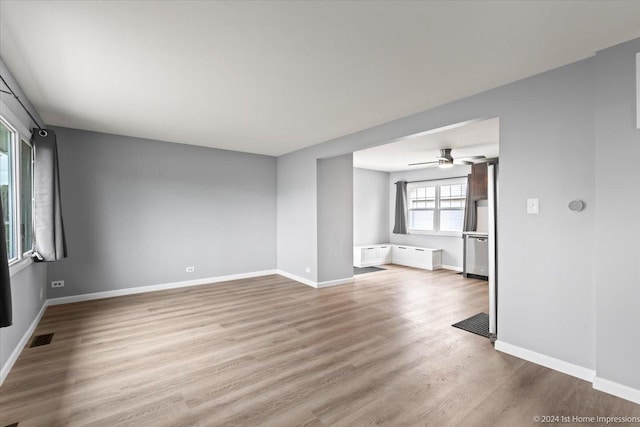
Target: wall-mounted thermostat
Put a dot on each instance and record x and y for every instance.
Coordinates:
(576, 205)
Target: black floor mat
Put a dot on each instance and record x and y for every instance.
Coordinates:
(362, 270)
(478, 324)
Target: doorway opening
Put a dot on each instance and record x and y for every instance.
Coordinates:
(429, 201)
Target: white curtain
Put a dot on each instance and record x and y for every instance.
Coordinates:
(50, 243)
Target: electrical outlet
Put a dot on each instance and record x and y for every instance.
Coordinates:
(57, 284)
(533, 206)
(308, 269)
(191, 269)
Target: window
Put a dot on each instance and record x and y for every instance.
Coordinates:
(422, 206)
(16, 191)
(437, 206)
(7, 135)
(452, 198)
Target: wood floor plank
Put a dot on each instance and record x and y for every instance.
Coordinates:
(270, 351)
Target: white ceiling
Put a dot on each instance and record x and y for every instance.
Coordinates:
(465, 139)
(272, 77)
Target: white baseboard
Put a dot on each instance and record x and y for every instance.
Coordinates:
(313, 283)
(160, 287)
(337, 282)
(297, 278)
(546, 361)
(617, 389)
(21, 344)
(451, 267)
(610, 387)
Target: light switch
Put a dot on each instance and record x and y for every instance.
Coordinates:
(533, 206)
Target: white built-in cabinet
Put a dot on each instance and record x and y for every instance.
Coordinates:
(367, 256)
(411, 256)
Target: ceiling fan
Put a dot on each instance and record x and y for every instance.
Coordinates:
(446, 160)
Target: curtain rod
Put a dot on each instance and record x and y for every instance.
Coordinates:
(435, 179)
(11, 92)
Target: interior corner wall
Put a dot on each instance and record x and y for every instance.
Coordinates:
(618, 209)
(452, 246)
(137, 212)
(335, 218)
(296, 220)
(29, 284)
(370, 207)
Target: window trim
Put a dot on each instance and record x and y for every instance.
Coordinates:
(436, 211)
(13, 191)
(21, 133)
(18, 265)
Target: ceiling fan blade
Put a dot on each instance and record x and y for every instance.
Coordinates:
(462, 162)
(424, 164)
(471, 158)
(485, 160)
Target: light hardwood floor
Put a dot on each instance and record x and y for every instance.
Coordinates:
(271, 352)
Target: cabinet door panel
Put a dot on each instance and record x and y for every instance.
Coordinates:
(401, 255)
(479, 181)
(369, 254)
(419, 258)
(384, 254)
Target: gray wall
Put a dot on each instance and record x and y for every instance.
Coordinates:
(452, 246)
(335, 213)
(26, 288)
(27, 284)
(618, 209)
(546, 275)
(370, 207)
(137, 212)
(546, 271)
(297, 216)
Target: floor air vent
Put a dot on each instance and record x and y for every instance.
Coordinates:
(41, 340)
